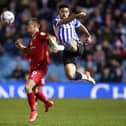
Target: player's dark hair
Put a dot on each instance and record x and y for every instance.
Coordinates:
(60, 6)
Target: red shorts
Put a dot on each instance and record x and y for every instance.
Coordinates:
(38, 76)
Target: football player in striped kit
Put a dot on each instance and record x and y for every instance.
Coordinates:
(64, 26)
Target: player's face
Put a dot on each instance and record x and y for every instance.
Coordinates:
(31, 27)
(64, 12)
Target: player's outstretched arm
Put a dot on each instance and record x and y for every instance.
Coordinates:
(21, 46)
(84, 29)
(70, 18)
(86, 32)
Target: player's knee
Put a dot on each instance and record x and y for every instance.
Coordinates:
(70, 75)
(28, 88)
(70, 70)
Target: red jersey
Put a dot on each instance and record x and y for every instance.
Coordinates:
(38, 55)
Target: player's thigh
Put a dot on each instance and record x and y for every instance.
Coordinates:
(30, 85)
(70, 70)
(74, 46)
(38, 76)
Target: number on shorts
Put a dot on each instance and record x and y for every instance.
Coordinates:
(33, 73)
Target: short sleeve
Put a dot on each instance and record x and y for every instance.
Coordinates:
(76, 23)
(55, 21)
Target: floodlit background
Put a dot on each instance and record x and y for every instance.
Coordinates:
(105, 58)
(106, 20)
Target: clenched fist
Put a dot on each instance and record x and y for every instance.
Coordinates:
(19, 43)
(81, 15)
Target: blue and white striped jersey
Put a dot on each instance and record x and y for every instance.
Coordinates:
(66, 32)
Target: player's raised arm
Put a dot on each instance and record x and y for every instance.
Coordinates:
(70, 18)
(86, 32)
(65, 16)
(21, 46)
(84, 29)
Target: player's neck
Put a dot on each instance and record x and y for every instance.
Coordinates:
(36, 30)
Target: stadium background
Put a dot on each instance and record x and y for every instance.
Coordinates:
(105, 59)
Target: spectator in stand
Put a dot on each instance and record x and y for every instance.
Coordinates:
(18, 73)
(52, 77)
(105, 76)
(90, 64)
(118, 75)
(99, 55)
(105, 20)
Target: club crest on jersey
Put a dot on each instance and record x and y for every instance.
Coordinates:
(42, 33)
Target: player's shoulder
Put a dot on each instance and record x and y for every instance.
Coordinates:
(55, 20)
(43, 33)
(75, 20)
(40, 35)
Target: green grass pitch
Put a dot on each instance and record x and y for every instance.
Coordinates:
(65, 112)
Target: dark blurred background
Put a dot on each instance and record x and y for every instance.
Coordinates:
(105, 58)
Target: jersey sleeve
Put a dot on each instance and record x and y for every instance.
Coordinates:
(76, 23)
(55, 21)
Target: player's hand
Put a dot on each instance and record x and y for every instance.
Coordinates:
(81, 15)
(19, 42)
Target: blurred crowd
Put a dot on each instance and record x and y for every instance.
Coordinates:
(106, 21)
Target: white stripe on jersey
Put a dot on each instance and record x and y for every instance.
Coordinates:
(66, 32)
(69, 31)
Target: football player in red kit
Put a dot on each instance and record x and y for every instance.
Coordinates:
(38, 56)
